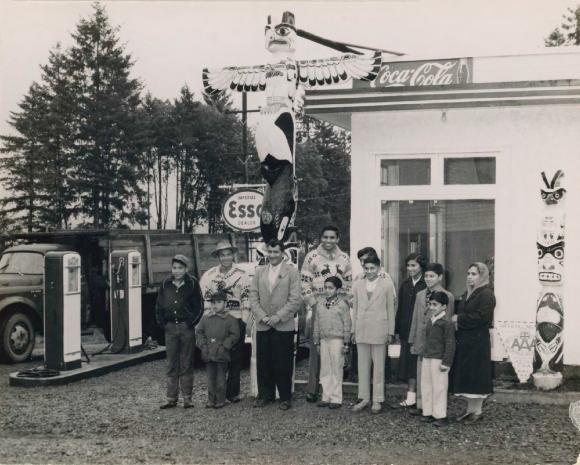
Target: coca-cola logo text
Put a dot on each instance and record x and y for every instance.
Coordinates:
(425, 73)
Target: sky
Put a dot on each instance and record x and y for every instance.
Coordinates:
(171, 42)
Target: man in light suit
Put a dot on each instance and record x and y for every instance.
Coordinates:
(275, 297)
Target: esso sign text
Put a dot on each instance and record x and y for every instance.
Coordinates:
(242, 210)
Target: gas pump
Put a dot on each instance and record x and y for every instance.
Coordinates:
(62, 310)
(125, 274)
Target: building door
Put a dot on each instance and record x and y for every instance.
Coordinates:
(422, 212)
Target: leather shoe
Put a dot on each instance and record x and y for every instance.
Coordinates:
(210, 405)
(323, 404)
(223, 404)
(187, 405)
(441, 422)
(235, 400)
(168, 405)
(259, 402)
(334, 406)
(428, 419)
(311, 397)
(474, 417)
(463, 417)
(285, 405)
(416, 412)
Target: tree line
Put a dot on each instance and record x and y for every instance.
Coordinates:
(90, 148)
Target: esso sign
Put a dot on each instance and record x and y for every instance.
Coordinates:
(242, 210)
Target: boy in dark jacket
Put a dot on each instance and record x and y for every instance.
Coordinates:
(438, 355)
(178, 309)
(216, 335)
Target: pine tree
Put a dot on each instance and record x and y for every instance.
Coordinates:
(23, 165)
(333, 147)
(107, 160)
(157, 141)
(568, 33)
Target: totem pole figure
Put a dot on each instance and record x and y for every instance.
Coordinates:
(548, 355)
(283, 81)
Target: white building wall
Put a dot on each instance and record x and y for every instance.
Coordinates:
(527, 140)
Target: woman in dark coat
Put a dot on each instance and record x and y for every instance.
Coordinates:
(472, 370)
(406, 303)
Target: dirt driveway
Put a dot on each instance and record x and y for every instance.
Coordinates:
(115, 419)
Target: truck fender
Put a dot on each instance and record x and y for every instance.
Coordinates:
(8, 301)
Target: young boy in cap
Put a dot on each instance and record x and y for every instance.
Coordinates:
(216, 335)
(178, 309)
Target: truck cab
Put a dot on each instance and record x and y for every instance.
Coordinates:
(21, 299)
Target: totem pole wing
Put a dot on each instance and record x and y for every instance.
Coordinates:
(238, 78)
(339, 69)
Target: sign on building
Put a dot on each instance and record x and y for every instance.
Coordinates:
(452, 71)
(241, 210)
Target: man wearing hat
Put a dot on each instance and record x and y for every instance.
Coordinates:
(234, 282)
(178, 309)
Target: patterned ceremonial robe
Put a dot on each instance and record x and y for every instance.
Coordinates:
(319, 265)
(235, 283)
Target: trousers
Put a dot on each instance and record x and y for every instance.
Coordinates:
(374, 354)
(275, 356)
(419, 379)
(313, 361)
(331, 369)
(180, 349)
(235, 365)
(434, 384)
(216, 382)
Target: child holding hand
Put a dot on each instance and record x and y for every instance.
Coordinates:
(331, 337)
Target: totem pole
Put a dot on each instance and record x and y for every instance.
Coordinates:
(548, 355)
(283, 81)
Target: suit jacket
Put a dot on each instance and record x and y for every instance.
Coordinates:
(283, 300)
(374, 318)
(417, 334)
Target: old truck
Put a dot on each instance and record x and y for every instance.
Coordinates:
(22, 276)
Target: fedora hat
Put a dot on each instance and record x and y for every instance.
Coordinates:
(223, 245)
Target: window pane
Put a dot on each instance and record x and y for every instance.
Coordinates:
(414, 172)
(454, 233)
(470, 170)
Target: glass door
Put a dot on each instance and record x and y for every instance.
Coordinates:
(454, 233)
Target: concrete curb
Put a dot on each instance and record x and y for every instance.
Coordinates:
(505, 396)
(98, 366)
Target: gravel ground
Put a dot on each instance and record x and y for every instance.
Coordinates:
(115, 419)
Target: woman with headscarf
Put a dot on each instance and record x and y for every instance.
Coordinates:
(472, 370)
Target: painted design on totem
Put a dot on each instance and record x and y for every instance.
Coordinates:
(283, 81)
(548, 349)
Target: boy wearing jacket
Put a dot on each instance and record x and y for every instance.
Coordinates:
(178, 309)
(216, 335)
(438, 355)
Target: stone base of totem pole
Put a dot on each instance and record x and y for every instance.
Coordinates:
(547, 381)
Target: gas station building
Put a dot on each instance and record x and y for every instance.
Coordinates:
(446, 160)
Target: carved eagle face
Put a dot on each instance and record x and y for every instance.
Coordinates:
(281, 37)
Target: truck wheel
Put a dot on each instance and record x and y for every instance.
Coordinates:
(17, 338)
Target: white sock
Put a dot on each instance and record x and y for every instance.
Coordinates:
(411, 398)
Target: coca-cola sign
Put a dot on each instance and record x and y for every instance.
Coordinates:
(424, 73)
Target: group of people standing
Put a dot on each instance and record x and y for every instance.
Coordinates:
(441, 337)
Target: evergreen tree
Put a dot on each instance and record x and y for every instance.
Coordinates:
(107, 160)
(333, 147)
(23, 166)
(568, 33)
(158, 144)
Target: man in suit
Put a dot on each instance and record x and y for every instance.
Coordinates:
(275, 297)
